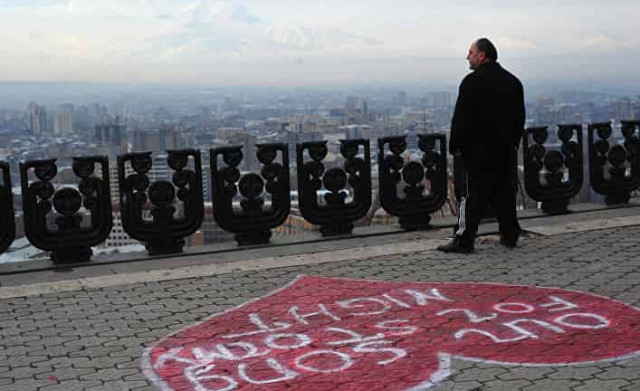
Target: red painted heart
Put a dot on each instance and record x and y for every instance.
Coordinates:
(336, 334)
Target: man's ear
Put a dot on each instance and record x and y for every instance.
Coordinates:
(482, 57)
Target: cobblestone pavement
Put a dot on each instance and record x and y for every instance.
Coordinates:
(94, 339)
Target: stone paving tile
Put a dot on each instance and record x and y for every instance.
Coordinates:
(119, 386)
(603, 385)
(498, 385)
(62, 374)
(525, 373)
(460, 386)
(70, 385)
(555, 385)
(24, 384)
(617, 372)
(634, 386)
(94, 339)
(481, 375)
(575, 372)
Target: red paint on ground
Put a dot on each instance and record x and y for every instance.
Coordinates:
(336, 334)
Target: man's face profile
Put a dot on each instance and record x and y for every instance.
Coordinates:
(474, 57)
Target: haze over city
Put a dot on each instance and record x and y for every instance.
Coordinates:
(293, 43)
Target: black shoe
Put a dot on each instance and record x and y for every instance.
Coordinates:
(508, 243)
(454, 246)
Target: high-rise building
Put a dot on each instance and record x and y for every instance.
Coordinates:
(169, 139)
(118, 237)
(206, 175)
(353, 102)
(225, 133)
(82, 119)
(442, 99)
(402, 98)
(160, 169)
(63, 123)
(37, 119)
(110, 132)
(114, 181)
(622, 109)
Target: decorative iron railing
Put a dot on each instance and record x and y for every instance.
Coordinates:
(253, 221)
(614, 169)
(7, 221)
(176, 206)
(553, 176)
(332, 210)
(398, 174)
(67, 221)
(334, 191)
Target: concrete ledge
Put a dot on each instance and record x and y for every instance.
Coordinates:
(588, 225)
(214, 269)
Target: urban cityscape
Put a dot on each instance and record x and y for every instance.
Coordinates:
(156, 119)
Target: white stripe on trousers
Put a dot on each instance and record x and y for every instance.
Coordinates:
(462, 224)
(462, 213)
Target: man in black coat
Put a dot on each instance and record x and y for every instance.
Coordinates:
(486, 129)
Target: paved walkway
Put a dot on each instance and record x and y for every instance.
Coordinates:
(92, 336)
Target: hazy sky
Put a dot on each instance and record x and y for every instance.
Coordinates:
(300, 42)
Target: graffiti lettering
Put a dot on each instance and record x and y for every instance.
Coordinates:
(302, 318)
(422, 298)
(344, 363)
(370, 347)
(271, 341)
(398, 302)
(398, 336)
(223, 352)
(558, 304)
(202, 382)
(355, 337)
(283, 372)
(472, 316)
(364, 302)
(514, 308)
(602, 321)
(398, 330)
(256, 320)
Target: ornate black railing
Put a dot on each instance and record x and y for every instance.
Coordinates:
(253, 221)
(176, 207)
(398, 174)
(614, 169)
(331, 210)
(553, 176)
(7, 221)
(333, 191)
(67, 221)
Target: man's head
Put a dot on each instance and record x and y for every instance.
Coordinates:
(481, 52)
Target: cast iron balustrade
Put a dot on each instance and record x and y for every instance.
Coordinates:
(335, 216)
(544, 169)
(54, 219)
(614, 169)
(415, 207)
(7, 221)
(253, 224)
(68, 221)
(164, 233)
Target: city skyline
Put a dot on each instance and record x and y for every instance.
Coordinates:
(252, 43)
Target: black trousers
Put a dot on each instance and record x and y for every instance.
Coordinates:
(483, 187)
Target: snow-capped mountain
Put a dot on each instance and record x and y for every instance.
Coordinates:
(211, 29)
